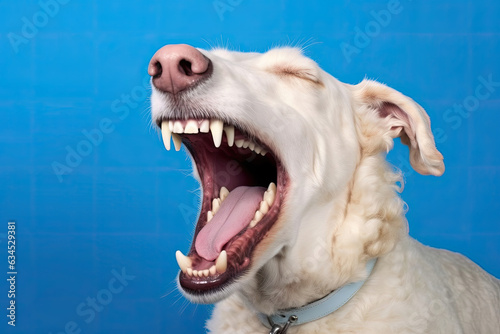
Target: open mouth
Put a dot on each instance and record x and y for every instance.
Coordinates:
(243, 184)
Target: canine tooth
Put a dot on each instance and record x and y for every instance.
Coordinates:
(251, 145)
(229, 130)
(166, 134)
(195, 273)
(212, 270)
(189, 271)
(221, 262)
(223, 193)
(183, 261)
(210, 215)
(252, 223)
(171, 125)
(205, 273)
(239, 142)
(177, 141)
(263, 152)
(205, 126)
(264, 208)
(191, 127)
(178, 127)
(216, 127)
(215, 205)
(245, 144)
(258, 149)
(272, 187)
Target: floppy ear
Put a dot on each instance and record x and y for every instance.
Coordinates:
(384, 114)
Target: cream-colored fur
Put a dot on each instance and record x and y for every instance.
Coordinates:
(342, 206)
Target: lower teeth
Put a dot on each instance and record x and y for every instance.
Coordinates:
(220, 266)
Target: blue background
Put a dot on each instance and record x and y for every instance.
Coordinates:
(129, 204)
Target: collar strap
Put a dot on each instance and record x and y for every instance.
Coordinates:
(317, 309)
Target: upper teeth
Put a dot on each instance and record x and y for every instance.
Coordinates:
(205, 126)
(216, 127)
(229, 130)
(177, 141)
(166, 134)
(172, 129)
(191, 127)
(178, 127)
(251, 146)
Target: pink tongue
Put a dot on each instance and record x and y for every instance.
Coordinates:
(234, 214)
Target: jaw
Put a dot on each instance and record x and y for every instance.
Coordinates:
(244, 185)
(213, 269)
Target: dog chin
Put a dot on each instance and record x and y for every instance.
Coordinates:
(211, 296)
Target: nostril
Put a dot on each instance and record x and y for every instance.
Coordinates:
(158, 70)
(185, 67)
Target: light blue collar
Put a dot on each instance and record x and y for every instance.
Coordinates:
(281, 320)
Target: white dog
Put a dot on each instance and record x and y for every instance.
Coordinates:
(301, 229)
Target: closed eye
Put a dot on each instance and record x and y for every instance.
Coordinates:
(298, 73)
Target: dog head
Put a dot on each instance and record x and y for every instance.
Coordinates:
(281, 150)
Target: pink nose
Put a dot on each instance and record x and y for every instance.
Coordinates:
(175, 68)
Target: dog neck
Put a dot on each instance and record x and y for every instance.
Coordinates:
(337, 239)
(317, 309)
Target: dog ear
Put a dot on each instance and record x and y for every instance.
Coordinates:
(386, 113)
